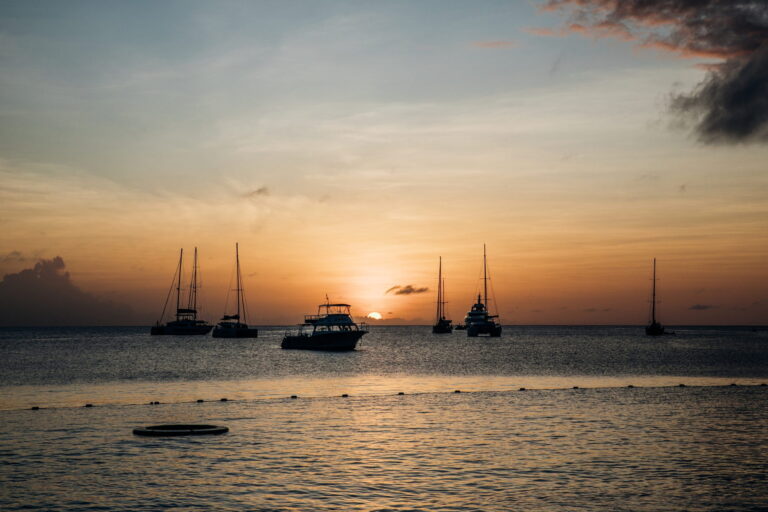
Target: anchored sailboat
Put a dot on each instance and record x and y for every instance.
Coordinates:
(442, 325)
(186, 322)
(478, 320)
(231, 326)
(654, 328)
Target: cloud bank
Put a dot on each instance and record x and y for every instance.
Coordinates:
(408, 289)
(731, 104)
(45, 296)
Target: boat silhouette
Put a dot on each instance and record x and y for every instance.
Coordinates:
(332, 329)
(236, 325)
(479, 321)
(442, 324)
(654, 328)
(186, 322)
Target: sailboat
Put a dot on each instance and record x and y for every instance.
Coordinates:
(230, 326)
(442, 325)
(478, 320)
(186, 322)
(654, 328)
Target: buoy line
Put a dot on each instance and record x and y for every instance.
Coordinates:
(400, 393)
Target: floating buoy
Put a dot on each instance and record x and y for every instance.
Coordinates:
(630, 386)
(733, 384)
(763, 384)
(294, 397)
(180, 430)
(222, 400)
(344, 395)
(401, 393)
(521, 389)
(681, 385)
(88, 405)
(575, 387)
(35, 408)
(200, 400)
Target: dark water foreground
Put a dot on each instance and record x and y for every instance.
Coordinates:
(692, 448)
(604, 446)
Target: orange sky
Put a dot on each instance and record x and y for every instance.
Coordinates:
(346, 162)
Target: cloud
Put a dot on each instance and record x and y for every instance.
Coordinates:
(702, 307)
(256, 193)
(406, 290)
(13, 257)
(45, 295)
(731, 104)
(495, 44)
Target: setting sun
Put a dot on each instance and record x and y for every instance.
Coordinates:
(375, 315)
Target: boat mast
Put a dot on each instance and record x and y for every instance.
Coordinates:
(239, 280)
(442, 296)
(653, 299)
(438, 315)
(193, 287)
(178, 284)
(485, 281)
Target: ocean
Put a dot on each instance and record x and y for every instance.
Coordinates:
(547, 418)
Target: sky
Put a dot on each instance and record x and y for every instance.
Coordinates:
(347, 145)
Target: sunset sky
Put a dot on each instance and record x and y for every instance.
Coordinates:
(347, 145)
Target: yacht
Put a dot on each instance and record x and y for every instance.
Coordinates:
(442, 324)
(479, 321)
(236, 326)
(186, 322)
(331, 329)
(654, 328)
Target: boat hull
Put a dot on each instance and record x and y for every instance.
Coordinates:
(331, 341)
(442, 329)
(180, 330)
(655, 329)
(484, 329)
(237, 332)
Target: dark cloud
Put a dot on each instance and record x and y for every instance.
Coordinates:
(256, 193)
(702, 307)
(406, 290)
(45, 295)
(731, 104)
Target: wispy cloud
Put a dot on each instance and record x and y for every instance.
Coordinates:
(12, 257)
(256, 193)
(731, 104)
(408, 289)
(495, 44)
(702, 307)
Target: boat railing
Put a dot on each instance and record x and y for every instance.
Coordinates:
(311, 319)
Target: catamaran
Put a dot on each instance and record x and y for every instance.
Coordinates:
(478, 320)
(654, 328)
(231, 326)
(332, 329)
(442, 325)
(186, 322)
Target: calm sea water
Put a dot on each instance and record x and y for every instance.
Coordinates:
(654, 446)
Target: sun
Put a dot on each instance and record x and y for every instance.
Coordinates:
(375, 315)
